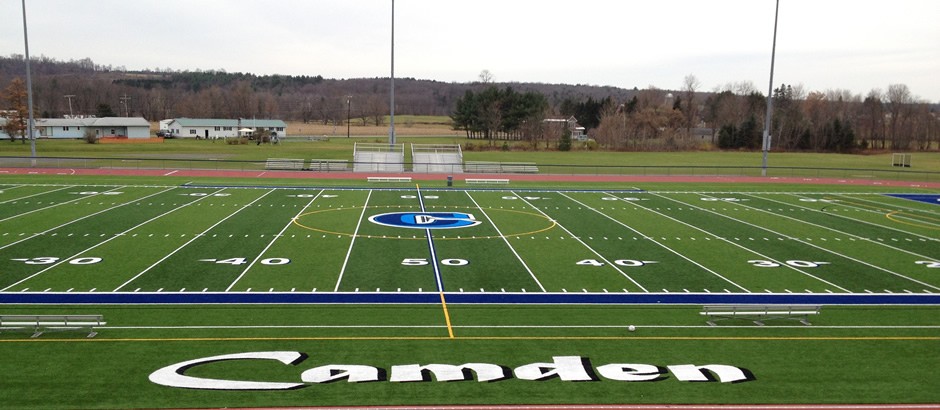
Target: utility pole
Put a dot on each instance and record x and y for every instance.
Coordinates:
(770, 96)
(70, 97)
(124, 101)
(348, 97)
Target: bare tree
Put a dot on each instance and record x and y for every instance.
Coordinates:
(689, 86)
(486, 77)
(899, 99)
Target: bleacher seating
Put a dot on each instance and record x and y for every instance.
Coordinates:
(378, 158)
(759, 313)
(329, 165)
(489, 167)
(436, 158)
(38, 324)
(284, 164)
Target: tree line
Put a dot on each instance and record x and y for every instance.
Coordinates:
(162, 93)
(728, 117)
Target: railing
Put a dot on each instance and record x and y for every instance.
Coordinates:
(557, 169)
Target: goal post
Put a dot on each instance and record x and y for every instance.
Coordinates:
(901, 160)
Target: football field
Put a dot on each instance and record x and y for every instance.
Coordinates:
(413, 241)
(263, 296)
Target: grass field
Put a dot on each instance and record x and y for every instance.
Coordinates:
(537, 275)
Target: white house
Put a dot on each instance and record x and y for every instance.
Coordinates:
(221, 128)
(130, 127)
(577, 132)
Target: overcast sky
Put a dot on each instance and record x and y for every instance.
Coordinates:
(856, 45)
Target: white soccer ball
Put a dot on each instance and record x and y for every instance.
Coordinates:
(631, 328)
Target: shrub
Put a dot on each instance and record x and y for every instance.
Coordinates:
(90, 136)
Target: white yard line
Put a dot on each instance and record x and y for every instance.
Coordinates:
(434, 263)
(503, 237)
(115, 236)
(650, 238)
(859, 221)
(342, 271)
(195, 237)
(82, 218)
(575, 237)
(804, 242)
(52, 206)
(257, 258)
(30, 196)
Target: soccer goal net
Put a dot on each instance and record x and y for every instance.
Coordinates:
(901, 160)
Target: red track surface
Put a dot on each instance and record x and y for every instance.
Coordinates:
(441, 177)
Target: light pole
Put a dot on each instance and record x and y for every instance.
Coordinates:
(29, 89)
(770, 96)
(348, 97)
(391, 128)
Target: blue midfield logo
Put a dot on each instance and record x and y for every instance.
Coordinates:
(425, 220)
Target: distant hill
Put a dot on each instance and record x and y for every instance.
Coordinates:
(156, 95)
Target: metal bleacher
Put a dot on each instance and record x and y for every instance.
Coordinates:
(437, 158)
(370, 157)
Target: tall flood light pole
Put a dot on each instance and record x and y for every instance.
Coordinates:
(391, 128)
(770, 95)
(29, 90)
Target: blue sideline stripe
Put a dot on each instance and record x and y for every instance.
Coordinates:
(928, 198)
(468, 298)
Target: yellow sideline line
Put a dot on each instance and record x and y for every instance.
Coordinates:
(450, 329)
(493, 338)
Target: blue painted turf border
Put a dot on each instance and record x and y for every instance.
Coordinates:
(470, 298)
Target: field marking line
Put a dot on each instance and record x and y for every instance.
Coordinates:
(431, 249)
(195, 237)
(577, 238)
(30, 196)
(892, 206)
(730, 242)
(352, 241)
(53, 206)
(503, 237)
(271, 243)
(437, 267)
(905, 214)
(647, 237)
(905, 218)
(171, 172)
(113, 237)
(858, 221)
(910, 214)
(83, 217)
(483, 338)
(793, 238)
(450, 328)
(794, 268)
